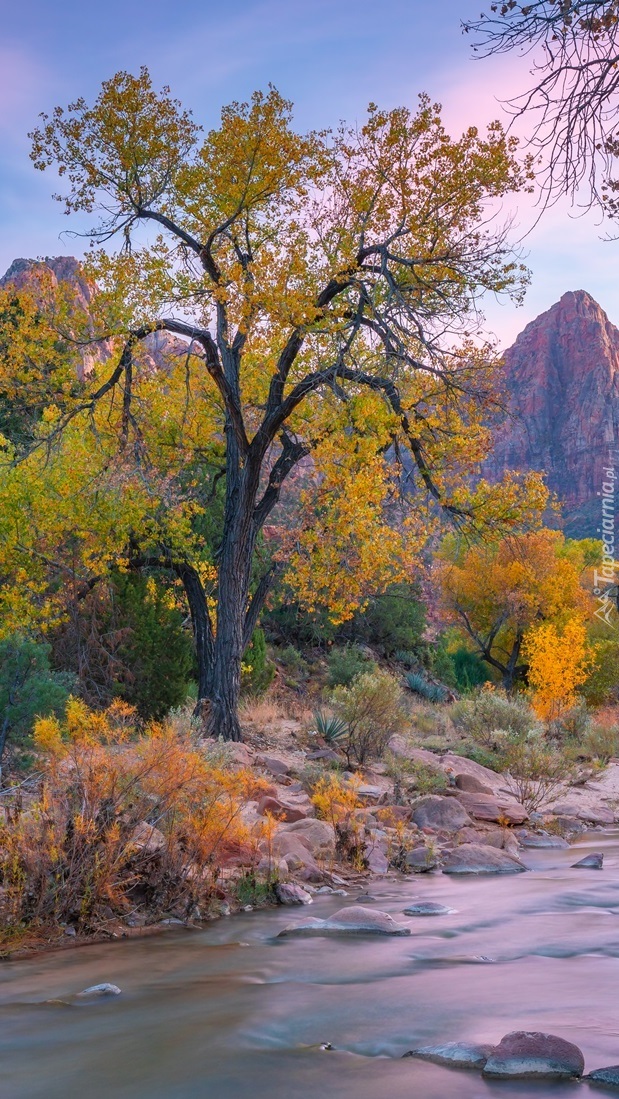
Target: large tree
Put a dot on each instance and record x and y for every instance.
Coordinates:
(305, 271)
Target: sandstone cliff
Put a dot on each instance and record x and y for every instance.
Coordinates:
(562, 377)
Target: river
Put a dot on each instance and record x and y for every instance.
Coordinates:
(233, 1011)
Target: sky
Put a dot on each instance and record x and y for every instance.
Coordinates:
(330, 58)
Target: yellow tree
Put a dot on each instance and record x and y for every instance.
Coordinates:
(499, 589)
(558, 663)
(304, 271)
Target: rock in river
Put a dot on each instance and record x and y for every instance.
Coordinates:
(427, 908)
(477, 858)
(454, 1054)
(288, 893)
(531, 1055)
(355, 920)
(608, 1076)
(98, 990)
(594, 861)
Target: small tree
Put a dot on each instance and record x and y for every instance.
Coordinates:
(559, 662)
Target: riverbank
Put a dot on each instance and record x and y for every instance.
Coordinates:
(364, 828)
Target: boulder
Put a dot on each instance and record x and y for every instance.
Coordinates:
(400, 746)
(590, 814)
(290, 808)
(390, 815)
(492, 808)
(454, 1054)
(420, 860)
(290, 894)
(272, 867)
(317, 835)
(368, 793)
(442, 813)
(533, 1055)
(273, 765)
(595, 861)
(376, 858)
(326, 754)
(356, 920)
(471, 784)
(427, 908)
(296, 854)
(541, 839)
(608, 1076)
(147, 839)
(478, 858)
(460, 765)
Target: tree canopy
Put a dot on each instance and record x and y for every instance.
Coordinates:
(327, 288)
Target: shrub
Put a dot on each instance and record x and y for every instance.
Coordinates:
(469, 669)
(537, 772)
(602, 742)
(293, 661)
(346, 663)
(491, 711)
(126, 639)
(410, 775)
(602, 684)
(28, 688)
(127, 817)
(372, 708)
(258, 670)
(394, 620)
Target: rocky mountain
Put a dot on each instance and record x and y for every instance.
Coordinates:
(562, 377)
(159, 348)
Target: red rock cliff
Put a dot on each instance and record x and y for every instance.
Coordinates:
(562, 376)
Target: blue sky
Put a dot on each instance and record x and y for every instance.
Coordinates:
(330, 58)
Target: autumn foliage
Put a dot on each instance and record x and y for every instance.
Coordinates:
(126, 820)
(558, 664)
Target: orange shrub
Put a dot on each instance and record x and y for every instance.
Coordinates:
(81, 853)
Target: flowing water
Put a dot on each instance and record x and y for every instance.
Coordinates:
(233, 1011)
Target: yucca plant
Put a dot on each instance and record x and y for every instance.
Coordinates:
(329, 727)
(430, 691)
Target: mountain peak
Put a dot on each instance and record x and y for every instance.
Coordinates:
(562, 379)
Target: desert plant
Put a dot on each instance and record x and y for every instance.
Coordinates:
(372, 708)
(491, 710)
(329, 727)
(602, 742)
(432, 692)
(537, 772)
(394, 620)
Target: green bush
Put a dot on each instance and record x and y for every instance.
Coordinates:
(602, 742)
(536, 771)
(372, 709)
(345, 663)
(293, 661)
(469, 669)
(492, 711)
(394, 620)
(28, 688)
(258, 669)
(602, 684)
(156, 654)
